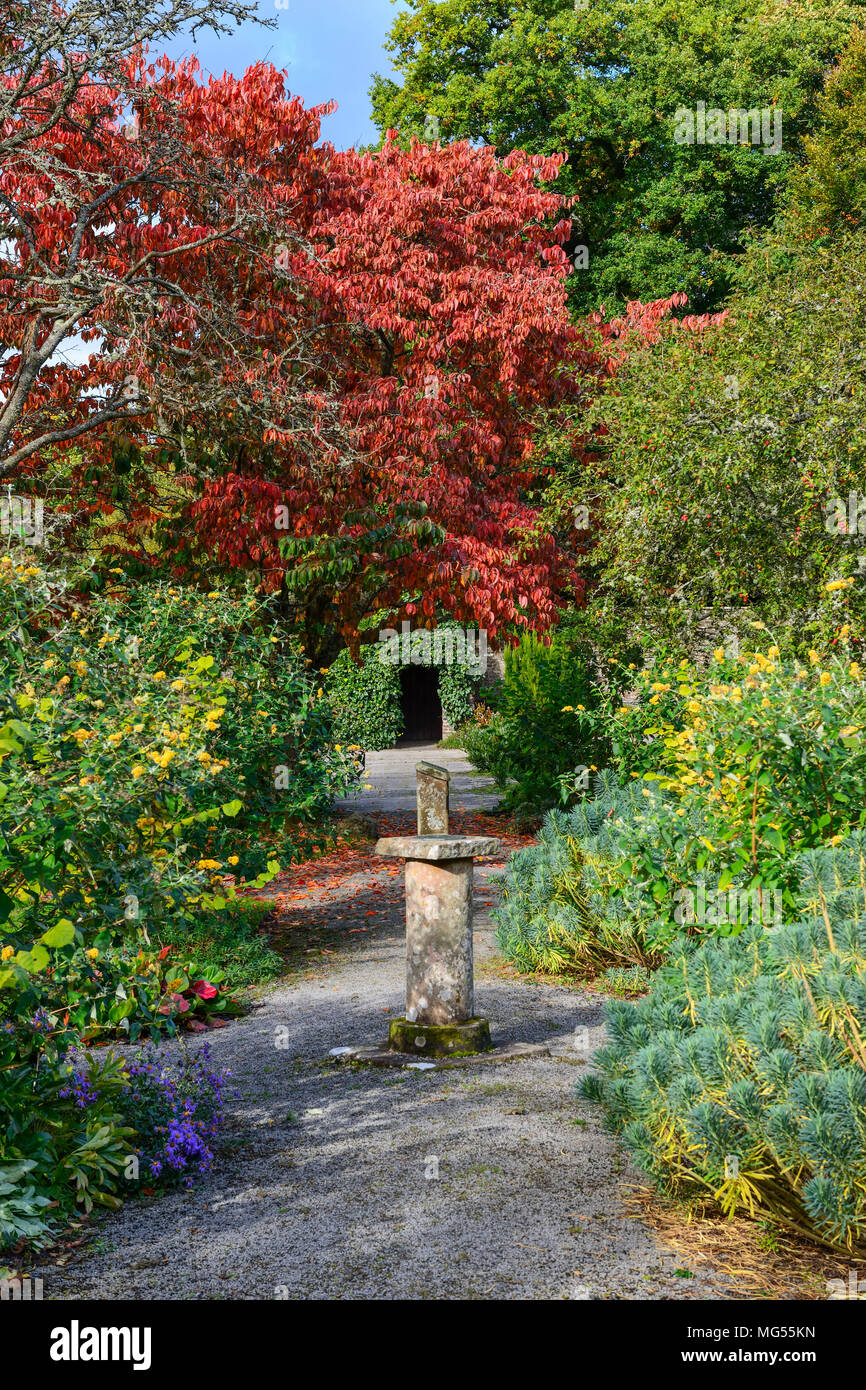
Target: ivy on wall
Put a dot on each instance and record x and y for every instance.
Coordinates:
(365, 694)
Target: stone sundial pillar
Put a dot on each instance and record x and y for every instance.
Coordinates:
(440, 1005)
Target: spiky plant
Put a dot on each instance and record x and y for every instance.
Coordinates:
(743, 1072)
(566, 903)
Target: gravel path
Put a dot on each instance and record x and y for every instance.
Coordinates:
(339, 1182)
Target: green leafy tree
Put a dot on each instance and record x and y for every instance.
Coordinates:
(728, 487)
(829, 189)
(603, 83)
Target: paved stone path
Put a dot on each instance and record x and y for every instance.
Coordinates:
(391, 777)
(485, 1182)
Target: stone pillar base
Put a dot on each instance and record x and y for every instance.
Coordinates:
(439, 1040)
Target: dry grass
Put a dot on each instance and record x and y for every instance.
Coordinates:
(760, 1260)
(501, 968)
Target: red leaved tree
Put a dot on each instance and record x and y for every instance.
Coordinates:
(331, 368)
(439, 281)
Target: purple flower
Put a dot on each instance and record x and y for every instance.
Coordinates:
(80, 1089)
(176, 1107)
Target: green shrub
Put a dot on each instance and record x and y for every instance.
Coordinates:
(741, 1075)
(63, 1140)
(758, 759)
(566, 905)
(529, 747)
(136, 772)
(226, 944)
(136, 769)
(735, 772)
(271, 741)
(625, 981)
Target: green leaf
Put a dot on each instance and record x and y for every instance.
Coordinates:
(34, 960)
(60, 935)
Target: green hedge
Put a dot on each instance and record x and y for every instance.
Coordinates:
(365, 699)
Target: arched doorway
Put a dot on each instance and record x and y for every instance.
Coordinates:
(420, 703)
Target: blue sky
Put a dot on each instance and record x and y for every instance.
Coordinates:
(330, 49)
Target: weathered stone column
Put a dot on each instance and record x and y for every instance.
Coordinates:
(433, 786)
(440, 1005)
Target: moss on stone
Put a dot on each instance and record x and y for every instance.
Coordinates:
(441, 1040)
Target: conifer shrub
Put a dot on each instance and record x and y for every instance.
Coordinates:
(528, 747)
(742, 1075)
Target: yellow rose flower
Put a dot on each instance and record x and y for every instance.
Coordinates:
(7, 952)
(824, 678)
(159, 675)
(233, 859)
(92, 953)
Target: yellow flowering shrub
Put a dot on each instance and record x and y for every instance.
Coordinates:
(770, 751)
